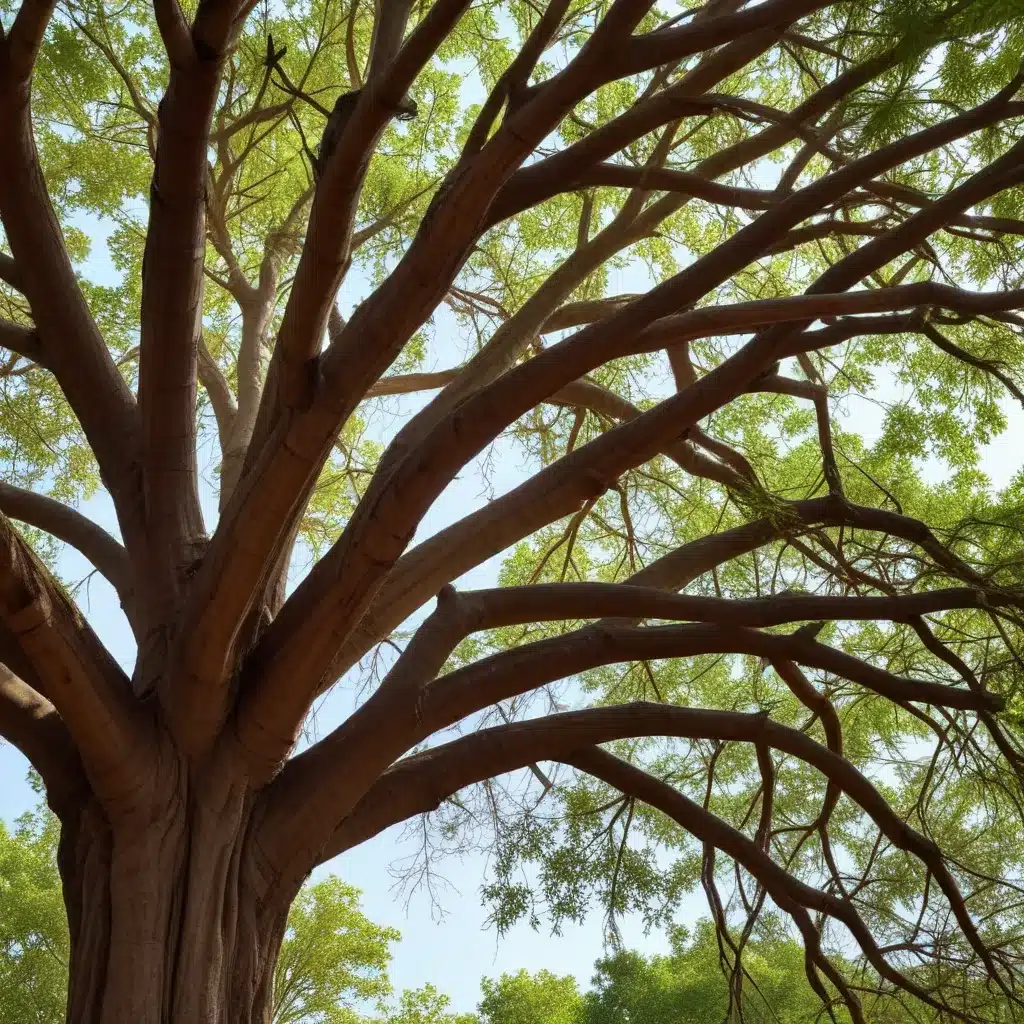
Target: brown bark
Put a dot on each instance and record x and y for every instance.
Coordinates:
(164, 919)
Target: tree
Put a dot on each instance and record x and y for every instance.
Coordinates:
(332, 959)
(687, 985)
(682, 987)
(33, 926)
(426, 1006)
(818, 711)
(542, 998)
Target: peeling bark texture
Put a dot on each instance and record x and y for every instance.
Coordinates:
(811, 614)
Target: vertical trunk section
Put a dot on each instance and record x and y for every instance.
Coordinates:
(165, 923)
(84, 862)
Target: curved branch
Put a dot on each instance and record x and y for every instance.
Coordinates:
(419, 784)
(325, 781)
(421, 573)
(219, 392)
(31, 723)
(72, 528)
(301, 643)
(695, 186)
(788, 893)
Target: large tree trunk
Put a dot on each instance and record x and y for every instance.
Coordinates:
(166, 925)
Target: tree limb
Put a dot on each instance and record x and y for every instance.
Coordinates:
(420, 783)
(30, 722)
(22, 340)
(303, 642)
(74, 349)
(75, 673)
(72, 528)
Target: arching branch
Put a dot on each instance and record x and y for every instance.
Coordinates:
(72, 528)
(31, 723)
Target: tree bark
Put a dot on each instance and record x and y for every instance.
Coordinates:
(165, 919)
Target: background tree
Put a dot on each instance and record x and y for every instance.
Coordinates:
(33, 925)
(687, 985)
(684, 986)
(818, 712)
(427, 1006)
(518, 998)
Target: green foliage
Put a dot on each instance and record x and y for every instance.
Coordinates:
(522, 998)
(688, 986)
(426, 1006)
(33, 924)
(332, 958)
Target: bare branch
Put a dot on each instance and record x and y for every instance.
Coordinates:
(72, 528)
(219, 392)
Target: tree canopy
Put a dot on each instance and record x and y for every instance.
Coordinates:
(736, 290)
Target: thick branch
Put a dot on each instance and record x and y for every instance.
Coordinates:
(74, 672)
(484, 415)
(324, 782)
(26, 37)
(10, 274)
(305, 639)
(172, 301)
(420, 783)
(31, 723)
(22, 340)
(281, 471)
(328, 249)
(41, 269)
